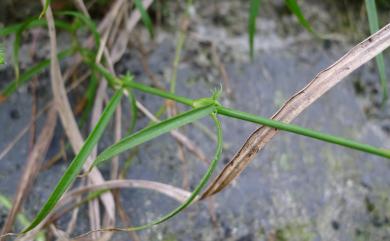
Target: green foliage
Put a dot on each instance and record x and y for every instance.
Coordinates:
(202, 183)
(253, 12)
(374, 26)
(29, 73)
(154, 131)
(145, 16)
(296, 10)
(76, 165)
(2, 54)
(45, 7)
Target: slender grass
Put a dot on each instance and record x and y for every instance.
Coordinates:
(144, 16)
(253, 12)
(296, 10)
(268, 122)
(380, 62)
(2, 54)
(33, 23)
(45, 7)
(76, 165)
(133, 111)
(87, 21)
(198, 188)
(153, 131)
(29, 73)
(22, 219)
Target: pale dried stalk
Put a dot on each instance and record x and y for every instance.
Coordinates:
(66, 115)
(31, 168)
(173, 192)
(325, 80)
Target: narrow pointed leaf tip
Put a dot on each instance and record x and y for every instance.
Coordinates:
(154, 131)
(76, 165)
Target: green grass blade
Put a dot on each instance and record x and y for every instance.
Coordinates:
(28, 74)
(87, 21)
(198, 188)
(22, 219)
(33, 23)
(304, 132)
(154, 131)
(253, 12)
(374, 26)
(45, 7)
(2, 54)
(296, 10)
(76, 165)
(269, 122)
(133, 112)
(145, 16)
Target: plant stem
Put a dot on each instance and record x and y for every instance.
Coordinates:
(268, 122)
(303, 131)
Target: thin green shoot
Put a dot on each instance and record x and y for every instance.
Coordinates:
(33, 23)
(198, 188)
(145, 16)
(29, 73)
(253, 13)
(133, 112)
(76, 165)
(87, 21)
(153, 131)
(22, 219)
(380, 62)
(45, 7)
(296, 10)
(2, 54)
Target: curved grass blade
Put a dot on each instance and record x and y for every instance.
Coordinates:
(145, 16)
(133, 112)
(2, 54)
(76, 165)
(28, 74)
(87, 21)
(22, 219)
(374, 26)
(253, 12)
(16, 46)
(45, 7)
(296, 10)
(197, 189)
(153, 131)
(33, 23)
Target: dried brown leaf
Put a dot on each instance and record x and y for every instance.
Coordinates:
(325, 80)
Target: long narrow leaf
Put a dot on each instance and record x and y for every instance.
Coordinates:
(26, 76)
(133, 112)
(145, 16)
(45, 7)
(2, 54)
(253, 12)
(374, 26)
(33, 23)
(22, 219)
(87, 21)
(204, 179)
(197, 189)
(154, 131)
(76, 165)
(296, 10)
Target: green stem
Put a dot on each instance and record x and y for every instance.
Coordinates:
(268, 122)
(265, 121)
(303, 131)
